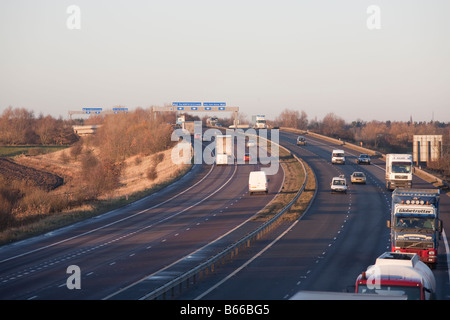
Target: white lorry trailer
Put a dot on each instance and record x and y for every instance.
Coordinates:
(399, 171)
(224, 149)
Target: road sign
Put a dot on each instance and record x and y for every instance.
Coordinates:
(197, 108)
(214, 104)
(92, 109)
(186, 104)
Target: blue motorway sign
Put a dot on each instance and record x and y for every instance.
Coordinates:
(194, 106)
(92, 109)
(186, 104)
(214, 104)
(120, 109)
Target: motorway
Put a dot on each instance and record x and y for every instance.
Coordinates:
(325, 250)
(209, 205)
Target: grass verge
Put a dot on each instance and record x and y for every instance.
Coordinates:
(12, 151)
(294, 179)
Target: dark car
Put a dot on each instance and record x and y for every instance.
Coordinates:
(363, 159)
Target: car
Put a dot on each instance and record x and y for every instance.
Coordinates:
(247, 157)
(363, 159)
(358, 177)
(251, 143)
(301, 141)
(339, 184)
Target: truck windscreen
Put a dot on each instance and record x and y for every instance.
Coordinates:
(417, 223)
(401, 167)
(413, 293)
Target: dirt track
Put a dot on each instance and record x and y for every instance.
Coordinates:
(13, 171)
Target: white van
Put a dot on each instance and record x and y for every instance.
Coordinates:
(257, 182)
(338, 156)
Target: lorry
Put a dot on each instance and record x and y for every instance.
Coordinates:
(259, 121)
(224, 149)
(415, 224)
(398, 274)
(399, 171)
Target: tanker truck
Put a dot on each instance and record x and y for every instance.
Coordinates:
(398, 274)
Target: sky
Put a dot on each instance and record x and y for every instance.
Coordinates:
(319, 56)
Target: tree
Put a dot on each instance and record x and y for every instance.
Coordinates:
(46, 129)
(293, 119)
(333, 126)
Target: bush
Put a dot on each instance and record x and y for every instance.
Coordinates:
(6, 217)
(157, 158)
(76, 149)
(64, 157)
(99, 175)
(152, 174)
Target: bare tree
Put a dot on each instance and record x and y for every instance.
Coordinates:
(333, 125)
(293, 119)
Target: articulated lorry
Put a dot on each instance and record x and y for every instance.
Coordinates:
(259, 121)
(399, 171)
(415, 224)
(398, 274)
(224, 149)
